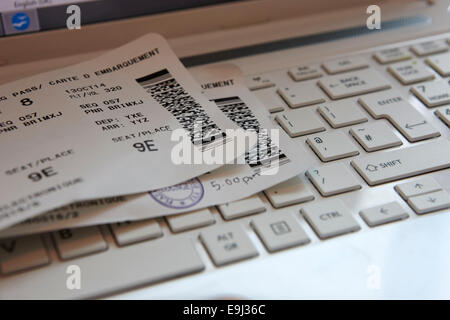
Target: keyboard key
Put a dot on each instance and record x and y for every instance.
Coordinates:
(228, 243)
(74, 243)
(270, 99)
(375, 136)
(280, 231)
(258, 81)
(330, 218)
(444, 114)
(345, 64)
(385, 213)
(332, 179)
(299, 122)
(191, 220)
(429, 47)
(130, 232)
(430, 202)
(391, 106)
(392, 55)
(305, 73)
(353, 84)
(342, 113)
(22, 254)
(289, 192)
(410, 72)
(434, 93)
(332, 146)
(301, 94)
(402, 163)
(242, 208)
(440, 63)
(418, 187)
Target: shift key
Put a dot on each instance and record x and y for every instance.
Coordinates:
(403, 163)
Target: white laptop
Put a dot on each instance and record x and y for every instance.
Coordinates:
(370, 219)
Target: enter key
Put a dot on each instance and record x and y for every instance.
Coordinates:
(403, 163)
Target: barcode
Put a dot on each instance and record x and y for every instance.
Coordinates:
(265, 153)
(166, 90)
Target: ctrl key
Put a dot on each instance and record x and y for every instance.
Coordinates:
(329, 219)
(227, 244)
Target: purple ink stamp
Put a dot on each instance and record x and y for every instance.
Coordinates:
(180, 196)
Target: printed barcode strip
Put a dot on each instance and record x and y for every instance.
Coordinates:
(266, 153)
(166, 90)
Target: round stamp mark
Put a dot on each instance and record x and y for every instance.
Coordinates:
(180, 196)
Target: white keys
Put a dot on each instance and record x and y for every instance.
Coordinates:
(22, 254)
(440, 63)
(332, 146)
(429, 202)
(332, 179)
(392, 55)
(353, 83)
(270, 99)
(279, 231)
(345, 64)
(242, 208)
(391, 105)
(330, 218)
(417, 187)
(429, 47)
(73, 243)
(444, 114)
(385, 213)
(375, 136)
(342, 113)
(228, 243)
(402, 163)
(190, 220)
(410, 72)
(299, 122)
(434, 93)
(129, 232)
(288, 193)
(258, 81)
(301, 94)
(305, 73)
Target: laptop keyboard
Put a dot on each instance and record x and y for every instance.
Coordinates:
(352, 116)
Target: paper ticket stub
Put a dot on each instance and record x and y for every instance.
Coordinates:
(102, 128)
(224, 86)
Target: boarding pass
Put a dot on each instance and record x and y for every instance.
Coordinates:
(102, 128)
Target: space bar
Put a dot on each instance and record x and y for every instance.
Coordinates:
(109, 272)
(403, 163)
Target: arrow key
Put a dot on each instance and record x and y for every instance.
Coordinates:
(385, 213)
(418, 187)
(430, 202)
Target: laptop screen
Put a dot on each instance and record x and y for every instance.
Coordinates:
(23, 16)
